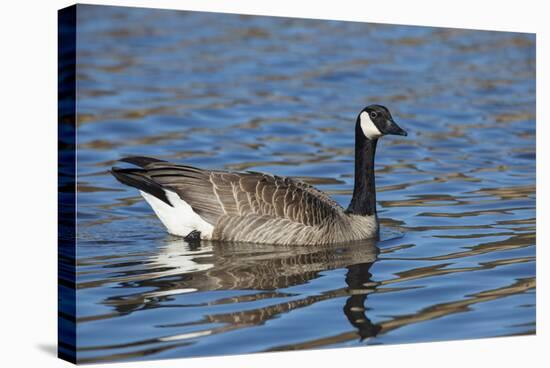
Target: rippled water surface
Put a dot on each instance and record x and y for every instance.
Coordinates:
(456, 197)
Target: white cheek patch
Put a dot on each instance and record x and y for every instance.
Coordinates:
(369, 128)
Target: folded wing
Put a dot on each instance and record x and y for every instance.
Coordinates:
(213, 194)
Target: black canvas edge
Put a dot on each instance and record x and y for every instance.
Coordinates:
(66, 184)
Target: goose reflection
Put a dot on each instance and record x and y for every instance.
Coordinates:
(269, 272)
(359, 284)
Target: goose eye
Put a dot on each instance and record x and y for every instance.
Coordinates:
(373, 115)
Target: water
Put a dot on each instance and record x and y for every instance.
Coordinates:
(456, 197)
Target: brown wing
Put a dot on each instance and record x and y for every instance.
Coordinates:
(216, 193)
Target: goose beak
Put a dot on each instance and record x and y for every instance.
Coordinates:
(394, 129)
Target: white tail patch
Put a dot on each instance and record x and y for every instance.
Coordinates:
(369, 128)
(180, 219)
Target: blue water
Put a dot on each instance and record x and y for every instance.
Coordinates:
(456, 197)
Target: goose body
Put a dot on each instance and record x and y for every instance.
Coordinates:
(262, 208)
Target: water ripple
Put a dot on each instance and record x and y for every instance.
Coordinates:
(456, 198)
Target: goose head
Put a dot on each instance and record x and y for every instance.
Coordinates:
(376, 121)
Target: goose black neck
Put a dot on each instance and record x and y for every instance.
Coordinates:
(363, 202)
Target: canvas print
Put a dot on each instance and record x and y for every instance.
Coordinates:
(234, 184)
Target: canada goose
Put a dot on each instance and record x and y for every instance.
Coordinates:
(261, 208)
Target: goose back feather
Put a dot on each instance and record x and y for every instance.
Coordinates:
(249, 206)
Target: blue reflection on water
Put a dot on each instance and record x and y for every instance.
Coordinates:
(456, 197)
